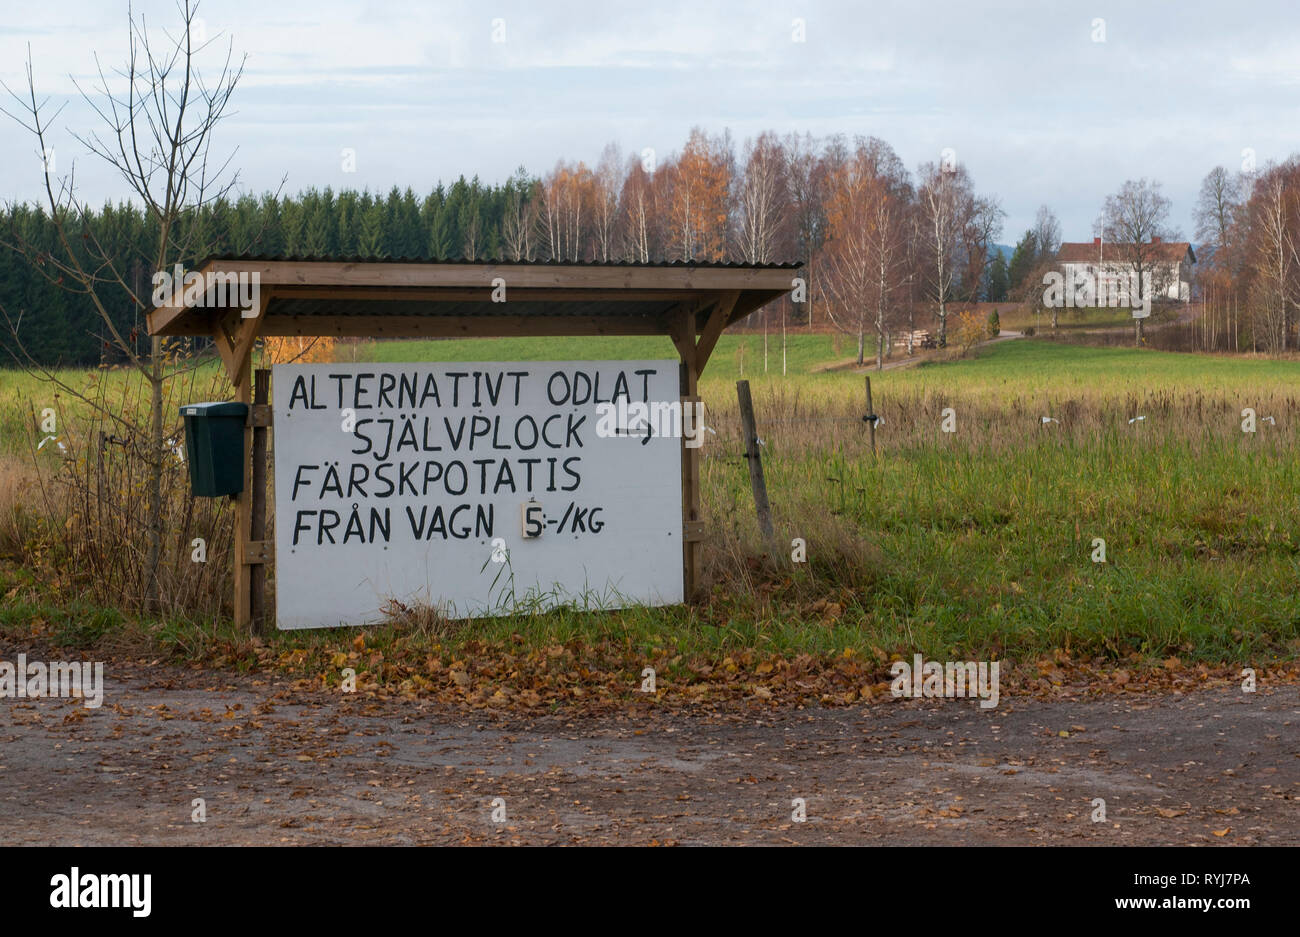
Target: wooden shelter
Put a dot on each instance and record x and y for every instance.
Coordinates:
(690, 303)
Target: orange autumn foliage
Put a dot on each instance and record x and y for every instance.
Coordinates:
(298, 350)
(697, 213)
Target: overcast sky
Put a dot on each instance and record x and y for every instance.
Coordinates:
(1036, 109)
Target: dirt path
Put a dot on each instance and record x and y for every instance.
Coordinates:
(276, 766)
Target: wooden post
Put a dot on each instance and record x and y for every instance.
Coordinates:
(692, 566)
(244, 505)
(755, 460)
(682, 328)
(871, 417)
(257, 531)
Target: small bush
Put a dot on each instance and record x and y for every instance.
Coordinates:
(995, 324)
(1027, 331)
(969, 330)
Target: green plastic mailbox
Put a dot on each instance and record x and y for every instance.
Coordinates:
(214, 447)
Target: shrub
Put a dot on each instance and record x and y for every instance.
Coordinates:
(77, 513)
(995, 324)
(969, 330)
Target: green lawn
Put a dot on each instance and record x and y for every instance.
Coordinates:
(1032, 367)
(1016, 317)
(803, 352)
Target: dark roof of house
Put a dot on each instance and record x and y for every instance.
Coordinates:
(1082, 252)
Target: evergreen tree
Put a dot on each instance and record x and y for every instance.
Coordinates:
(347, 222)
(292, 224)
(998, 280)
(317, 227)
(429, 213)
(1023, 260)
(448, 239)
(57, 327)
(371, 242)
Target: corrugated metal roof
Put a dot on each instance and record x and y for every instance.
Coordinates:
(357, 259)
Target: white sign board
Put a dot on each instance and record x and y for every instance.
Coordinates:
(477, 488)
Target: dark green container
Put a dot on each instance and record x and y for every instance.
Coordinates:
(214, 447)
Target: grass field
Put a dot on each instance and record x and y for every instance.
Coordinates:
(1016, 317)
(803, 352)
(958, 545)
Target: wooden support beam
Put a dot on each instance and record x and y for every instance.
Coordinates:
(712, 331)
(234, 335)
(244, 510)
(683, 334)
(680, 325)
(487, 326)
(479, 294)
(223, 337)
(256, 548)
(250, 327)
(320, 273)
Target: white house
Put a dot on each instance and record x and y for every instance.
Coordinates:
(1170, 262)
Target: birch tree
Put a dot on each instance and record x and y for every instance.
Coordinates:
(1218, 209)
(639, 214)
(946, 205)
(763, 200)
(1134, 220)
(865, 250)
(1274, 221)
(606, 185)
(698, 211)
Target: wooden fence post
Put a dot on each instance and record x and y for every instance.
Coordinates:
(692, 526)
(244, 509)
(261, 395)
(755, 459)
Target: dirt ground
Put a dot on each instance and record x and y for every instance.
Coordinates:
(276, 765)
